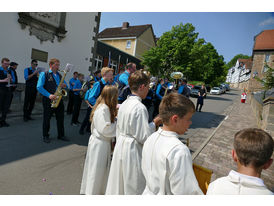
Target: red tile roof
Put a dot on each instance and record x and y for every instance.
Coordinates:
(246, 62)
(131, 31)
(264, 40)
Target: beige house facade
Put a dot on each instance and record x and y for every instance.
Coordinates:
(134, 40)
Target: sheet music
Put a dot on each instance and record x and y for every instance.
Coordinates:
(69, 67)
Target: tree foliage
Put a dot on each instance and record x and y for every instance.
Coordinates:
(268, 80)
(181, 50)
(234, 60)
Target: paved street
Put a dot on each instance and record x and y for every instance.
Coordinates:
(29, 166)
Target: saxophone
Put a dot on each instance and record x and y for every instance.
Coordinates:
(60, 92)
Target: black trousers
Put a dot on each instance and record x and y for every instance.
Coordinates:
(201, 105)
(70, 103)
(200, 101)
(77, 101)
(59, 114)
(86, 122)
(30, 97)
(5, 95)
(11, 96)
(156, 107)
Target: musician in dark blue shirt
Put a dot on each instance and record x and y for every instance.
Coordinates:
(14, 79)
(5, 93)
(31, 77)
(77, 99)
(70, 101)
(47, 84)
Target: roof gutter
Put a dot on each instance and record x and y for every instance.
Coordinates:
(115, 38)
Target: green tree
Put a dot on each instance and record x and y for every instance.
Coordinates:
(233, 61)
(181, 50)
(268, 80)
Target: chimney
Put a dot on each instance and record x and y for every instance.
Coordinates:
(125, 25)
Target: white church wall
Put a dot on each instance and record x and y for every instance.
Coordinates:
(76, 48)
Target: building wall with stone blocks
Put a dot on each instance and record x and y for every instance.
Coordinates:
(259, 60)
(75, 46)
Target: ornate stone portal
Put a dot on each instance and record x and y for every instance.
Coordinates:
(44, 25)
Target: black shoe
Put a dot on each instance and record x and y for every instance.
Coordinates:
(77, 122)
(199, 110)
(46, 139)
(1, 124)
(26, 119)
(81, 132)
(5, 124)
(63, 138)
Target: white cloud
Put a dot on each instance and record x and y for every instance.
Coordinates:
(267, 21)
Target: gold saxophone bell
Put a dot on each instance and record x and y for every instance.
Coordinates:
(64, 93)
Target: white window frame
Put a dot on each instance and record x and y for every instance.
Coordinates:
(128, 44)
(113, 65)
(97, 60)
(267, 58)
(265, 69)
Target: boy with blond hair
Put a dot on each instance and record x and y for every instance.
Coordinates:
(167, 162)
(252, 152)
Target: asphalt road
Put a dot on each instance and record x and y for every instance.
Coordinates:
(29, 166)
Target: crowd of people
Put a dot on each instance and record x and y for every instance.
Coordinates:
(146, 119)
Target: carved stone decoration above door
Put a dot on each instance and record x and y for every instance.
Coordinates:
(44, 25)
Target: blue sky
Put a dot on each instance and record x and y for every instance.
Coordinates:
(230, 33)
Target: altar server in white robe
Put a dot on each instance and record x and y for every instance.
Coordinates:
(103, 129)
(167, 162)
(252, 152)
(126, 177)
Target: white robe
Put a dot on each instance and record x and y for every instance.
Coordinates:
(97, 161)
(132, 130)
(238, 184)
(167, 166)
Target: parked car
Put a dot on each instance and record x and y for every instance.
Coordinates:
(227, 87)
(195, 90)
(216, 90)
(223, 89)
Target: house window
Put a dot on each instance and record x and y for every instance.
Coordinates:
(267, 57)
(98, 62)
(39, 55)
(265, 69)
(113, 65)
(128, 44)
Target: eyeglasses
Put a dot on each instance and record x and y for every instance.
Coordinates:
(35, 64)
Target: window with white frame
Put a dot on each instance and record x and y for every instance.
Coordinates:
(128, 46)
(113, 65)
(265, 69)
(267, 57)
(98, 62)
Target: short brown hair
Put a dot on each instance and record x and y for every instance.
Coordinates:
(130, 65)
(106, 70)
(175, 104)
(253, 146)
(136, 79)
(53, 61)
(5, 59)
